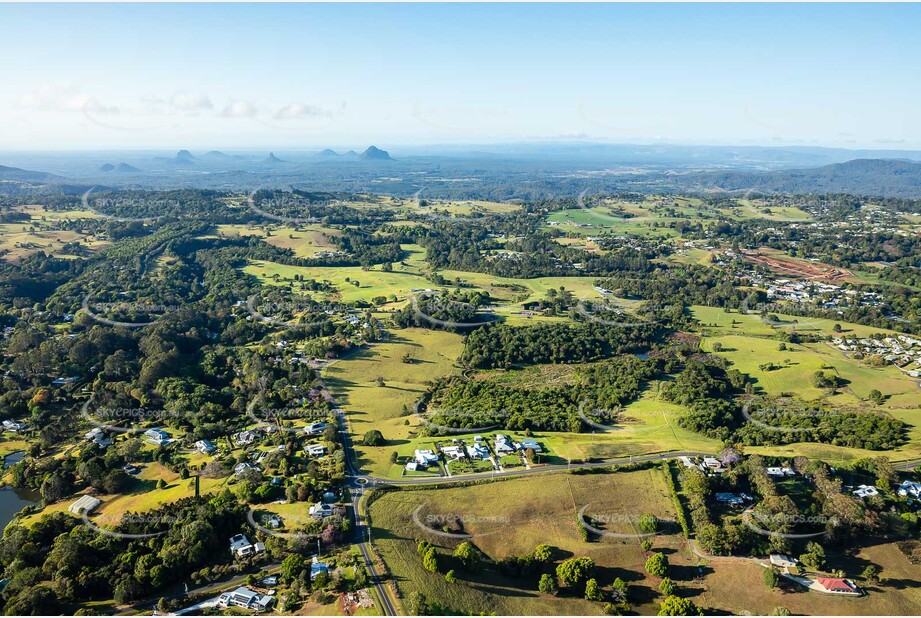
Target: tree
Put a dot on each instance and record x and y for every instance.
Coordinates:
(648, 523)
(814, 558)
(676, 606)
(667, 587)
(542, 553)
(657, 564)
(468, 554)
(646, 544)
(717, 347)
(161, 484)
(547, 584)
(430, 560)
(373, 438)
(575, 570)
(781, 611)
(450, 577)
(876, 396)
(870, 574)
(771, 578)
(593, 591)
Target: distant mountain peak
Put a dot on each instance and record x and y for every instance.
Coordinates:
(106, 167)
(328, 152)
(373, 153)
(273, 159)
(185, 154)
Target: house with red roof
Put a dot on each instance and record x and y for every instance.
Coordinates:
(836, 585)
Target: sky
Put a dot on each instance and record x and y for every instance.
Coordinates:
(288, 76)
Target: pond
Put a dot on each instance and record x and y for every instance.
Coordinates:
(11, 500)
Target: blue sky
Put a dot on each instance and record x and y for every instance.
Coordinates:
(291, 76)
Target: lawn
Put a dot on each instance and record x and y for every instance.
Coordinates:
(353, 381)
(511, 517)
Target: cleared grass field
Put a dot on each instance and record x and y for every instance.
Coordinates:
(797, 365)
(306, 241)
(511, 518)
(353, 381)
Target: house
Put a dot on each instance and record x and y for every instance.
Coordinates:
(783, 561)
(85, 505)
(205, 447)
(317, 567)
(454, 452)
(479, 451)
(838, 585)
(14, 426)
(909, 488)
(780, 472)
(315, 429)
(531, 444)
(503, 445)
(321, 510)
(730, 499)
(412, 466)
(157, 436)
(866, 491)
(686, 462)
(269, 580)
(712, 464)
(240, 546)
(246, 598)
(101, 440)
(315, 450)
(242, 467)
(246, 437)
(131, 469)
(426, 458)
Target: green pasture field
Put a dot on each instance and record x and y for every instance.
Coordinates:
(512, 517)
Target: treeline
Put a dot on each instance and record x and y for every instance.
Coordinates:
(601, 390)
(503, 346)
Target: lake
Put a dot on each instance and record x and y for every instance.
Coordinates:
(12, 501)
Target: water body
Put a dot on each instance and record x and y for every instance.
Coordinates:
(11, 500)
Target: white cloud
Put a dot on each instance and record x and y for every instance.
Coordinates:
(240, 109)
(301, 110)
(63, 98)
(188, 102)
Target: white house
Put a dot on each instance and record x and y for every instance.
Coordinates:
(453, 452)
(315, 450)
(157, 436)
(425, 457)
(315, 429)
(503, 445)
(909, 488)
(479, 451)
(240, 546)
(866, 491)
(246, 598)
(14, 426)
(205, 446)
(85, 505)
(246, 437)
(782, 561)
(321, 510)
